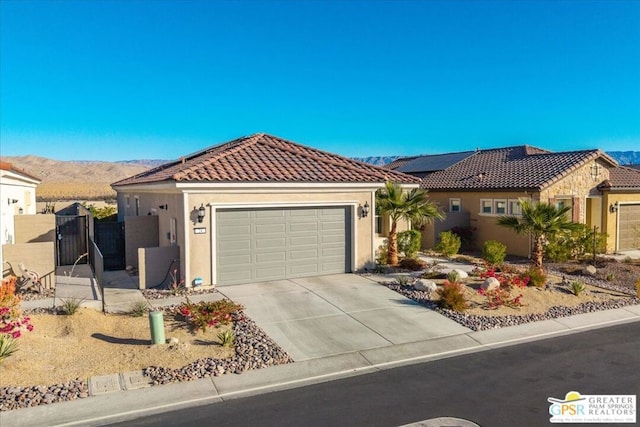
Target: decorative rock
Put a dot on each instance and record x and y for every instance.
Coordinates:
(425, 285)
(173, 341)
(461, 274)
(490, 284)
(590, 270)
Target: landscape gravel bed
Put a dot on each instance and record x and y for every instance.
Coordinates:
(157, 294)
(253, 348)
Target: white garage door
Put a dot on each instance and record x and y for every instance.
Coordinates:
(629, 227)
(269, 244)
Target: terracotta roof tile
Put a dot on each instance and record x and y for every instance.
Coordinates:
(262, 158)
(622, 178)
(519, 167)
(11, 168)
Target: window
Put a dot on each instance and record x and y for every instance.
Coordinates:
(486, 206)
(137, 200)
(563, 202)
(127, 201)
(379, 224)
(500, 207)
(514, 207)
(173, 227)
(454, 205)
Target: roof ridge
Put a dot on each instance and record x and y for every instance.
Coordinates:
(594, 154)
(314, 156)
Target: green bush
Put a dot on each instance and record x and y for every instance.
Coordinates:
(452, 296)
(8, 346)
(227, 338)
(208, 313)
(577, 287)
(381, 253)
(70, 306)
(494, 252)
(448, 243)
(453, 276)
(409, 243)
(577, 244)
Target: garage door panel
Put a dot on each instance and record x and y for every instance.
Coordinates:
(269, 244)
(629, 227)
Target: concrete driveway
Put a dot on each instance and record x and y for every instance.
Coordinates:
(327, 315)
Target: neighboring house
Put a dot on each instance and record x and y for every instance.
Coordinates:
(17, 197)
(474, 188)
(260, 208)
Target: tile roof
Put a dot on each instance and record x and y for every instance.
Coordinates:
(519, 168)
(6, 166)
(622, 178)
(263, 158)
(394, 165)
(436, 162)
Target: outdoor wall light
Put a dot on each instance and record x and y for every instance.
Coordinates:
(12, 201)
(613, 208)
(20, 211)
(201, 212)
(164, 207)
(595, 171)
(364, 210)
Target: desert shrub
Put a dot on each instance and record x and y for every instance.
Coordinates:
(70, 306)
(413, 264)
(638, 288)
(577, 287)
(209, 313)
(138, 308)
(403, 280)
(432, 270)
(452, 296)
(409, 243)
(453, 276)
(448, 243)
(381, 253)
(494, 252)
(8, 298)
(576, 244)
(12, 324)
(227, 338)
(536, 277)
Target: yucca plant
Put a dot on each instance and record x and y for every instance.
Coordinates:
(71, 305)
(227, 338)
(138, 308)
(8, 346)
(577, 287)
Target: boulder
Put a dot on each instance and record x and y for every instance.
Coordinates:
(461, 274)
(425, 285)
(490, 284)
(590, 270)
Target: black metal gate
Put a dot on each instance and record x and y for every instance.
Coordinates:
(72, 239)
(110, 240)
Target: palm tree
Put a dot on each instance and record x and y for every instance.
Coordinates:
(539, 220)
(413, 206)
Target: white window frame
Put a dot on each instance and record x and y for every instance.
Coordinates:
(137, 203)
(482, 204)
(127, 201)
(495, 206)
(514, 202)
(452, 204)
(173, 231)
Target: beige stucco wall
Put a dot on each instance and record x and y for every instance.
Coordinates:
(35, 228)
(39, 257)
(139, 232)
(484, 225)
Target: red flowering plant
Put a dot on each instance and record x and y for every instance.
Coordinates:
(508, 277)
(499, 297)
(12, 323)
(207, 314)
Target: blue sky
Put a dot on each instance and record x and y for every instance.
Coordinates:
(116, 80)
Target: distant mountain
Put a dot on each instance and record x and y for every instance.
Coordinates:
(377, 160)
(626, 157)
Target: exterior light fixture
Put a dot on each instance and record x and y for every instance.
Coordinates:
(201, 212)
(20, 211)
(613, 208)
(164, 207)
(595, 171)
(365, 210)
(12, 201)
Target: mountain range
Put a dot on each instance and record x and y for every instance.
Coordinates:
(91, 180)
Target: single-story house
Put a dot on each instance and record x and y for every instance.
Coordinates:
(260, 208)
(475, 187)
(18, 190)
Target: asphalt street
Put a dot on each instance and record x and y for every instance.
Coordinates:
(508, 386)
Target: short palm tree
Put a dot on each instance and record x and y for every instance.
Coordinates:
(413, 206)
(540, 220)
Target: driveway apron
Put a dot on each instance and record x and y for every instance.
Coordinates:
(321, 316)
